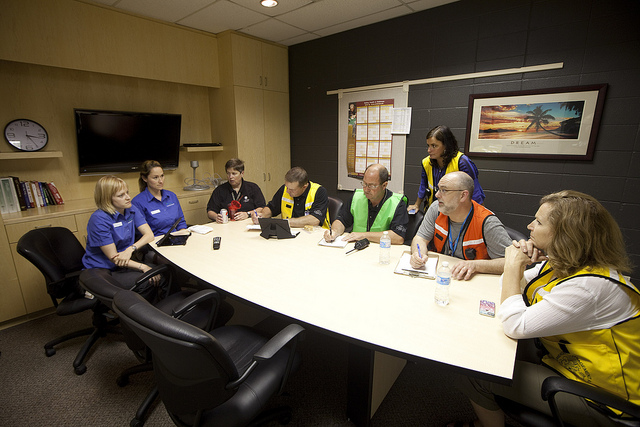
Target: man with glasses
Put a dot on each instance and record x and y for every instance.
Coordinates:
(372, 210)
(301, 201)
(456, 225)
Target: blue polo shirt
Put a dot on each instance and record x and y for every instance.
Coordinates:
(160, 214)
(104, 229)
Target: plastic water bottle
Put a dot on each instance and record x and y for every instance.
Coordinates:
(385, 248)
(443, 279)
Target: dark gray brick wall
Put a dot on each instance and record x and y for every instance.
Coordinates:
(597, 41)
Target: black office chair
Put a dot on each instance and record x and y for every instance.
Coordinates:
(224, 378)
(515, 234)
(413, 225)
(334, 207)
(57, 253)
(551, 386)
(105, 287)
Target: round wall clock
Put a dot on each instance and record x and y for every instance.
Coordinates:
(26, 135)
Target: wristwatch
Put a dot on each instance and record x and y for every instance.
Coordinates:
(134, 248)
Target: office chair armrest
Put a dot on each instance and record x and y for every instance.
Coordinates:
(163, 269)
(278, 341)
(553, 385)
(193, 300)
(268, 350)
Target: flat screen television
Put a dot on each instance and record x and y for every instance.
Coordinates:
(119, 141)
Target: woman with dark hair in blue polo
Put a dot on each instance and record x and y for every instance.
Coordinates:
(160, 207)
(444, 157)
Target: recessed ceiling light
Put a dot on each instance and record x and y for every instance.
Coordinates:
(269, 3)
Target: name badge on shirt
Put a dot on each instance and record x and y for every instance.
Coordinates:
(157, 211)
(117, 224)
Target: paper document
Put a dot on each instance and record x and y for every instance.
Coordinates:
(253, 227)
(338, 243)
(200, 229)
(404, 267)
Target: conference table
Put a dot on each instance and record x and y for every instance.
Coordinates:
(387, 318)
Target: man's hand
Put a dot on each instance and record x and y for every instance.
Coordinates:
(417, 261)
(464, 270)
(353, 237)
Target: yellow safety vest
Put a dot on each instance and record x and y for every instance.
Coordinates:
(453, 166)
(607, 358)
(286, 204)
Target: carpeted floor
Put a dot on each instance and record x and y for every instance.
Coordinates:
(42, 391)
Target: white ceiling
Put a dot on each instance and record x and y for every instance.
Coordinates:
(289, 23)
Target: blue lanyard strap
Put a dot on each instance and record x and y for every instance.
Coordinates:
(453, 247)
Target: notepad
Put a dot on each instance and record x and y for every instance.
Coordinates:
(338, 243)
(404, 267)
(200, 229)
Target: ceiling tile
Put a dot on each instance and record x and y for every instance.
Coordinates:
(283, 6)
(164, 10)
(222, 16)
(274, 30)
(325, 13)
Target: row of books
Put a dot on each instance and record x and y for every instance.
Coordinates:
(16, 195)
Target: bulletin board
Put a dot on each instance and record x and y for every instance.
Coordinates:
(365, 120)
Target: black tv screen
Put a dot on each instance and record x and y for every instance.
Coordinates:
(119, 141)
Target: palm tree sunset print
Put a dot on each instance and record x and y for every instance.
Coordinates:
(547, 120)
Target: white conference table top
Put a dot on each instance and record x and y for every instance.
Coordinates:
(353, 295)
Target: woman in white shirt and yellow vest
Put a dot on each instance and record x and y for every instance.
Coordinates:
(576, 301)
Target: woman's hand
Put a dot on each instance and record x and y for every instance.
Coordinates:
(121, 259)
(412, 208)
(527, 247)
(155, 280)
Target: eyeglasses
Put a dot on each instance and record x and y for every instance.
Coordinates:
(445, 190)
(369, 186)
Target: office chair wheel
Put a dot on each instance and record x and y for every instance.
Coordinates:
(136, 423)
(49, 351)
(79, 370)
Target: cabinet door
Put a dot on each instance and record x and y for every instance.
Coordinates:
(250, 133)
(246, 54)
(195, 209)
(277, 147)
(275, 68)
(11, 301)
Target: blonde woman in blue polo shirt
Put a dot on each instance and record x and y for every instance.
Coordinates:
(111, 232)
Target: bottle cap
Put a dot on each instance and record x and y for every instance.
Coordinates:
(445, 263)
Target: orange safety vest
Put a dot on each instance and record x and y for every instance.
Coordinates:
(473, 244)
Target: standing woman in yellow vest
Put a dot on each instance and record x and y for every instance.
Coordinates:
(444, 157)
(577, 302)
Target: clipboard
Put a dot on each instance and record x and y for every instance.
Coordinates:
(404, 267)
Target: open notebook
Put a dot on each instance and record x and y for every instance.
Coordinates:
(404, 267)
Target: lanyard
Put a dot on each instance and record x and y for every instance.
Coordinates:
(453, 247)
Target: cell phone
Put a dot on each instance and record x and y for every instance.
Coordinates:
(487, 308)
(216, 242)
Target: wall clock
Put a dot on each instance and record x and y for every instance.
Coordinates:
(26, 135)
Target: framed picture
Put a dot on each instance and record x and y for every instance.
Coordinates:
(558, 123)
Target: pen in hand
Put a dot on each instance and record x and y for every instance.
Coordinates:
(419, 254)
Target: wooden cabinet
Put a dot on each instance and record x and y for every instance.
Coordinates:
(254, 87)
(258, 64)
(23, 290)
(194, 206)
